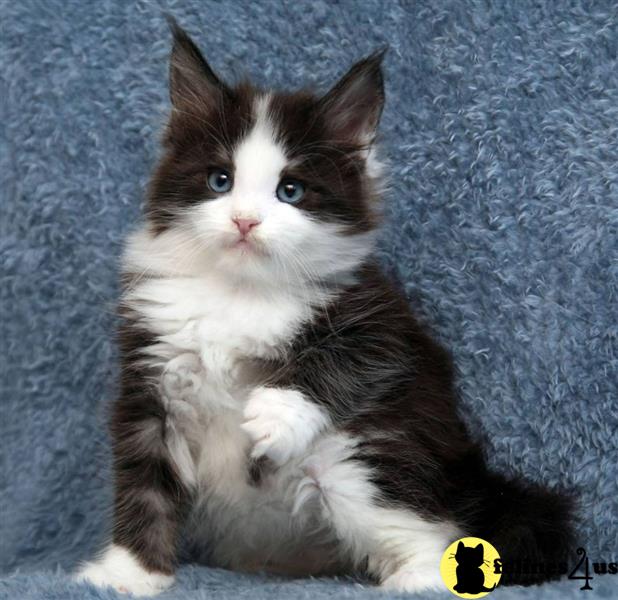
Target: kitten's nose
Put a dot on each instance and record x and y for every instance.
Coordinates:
(245, 225)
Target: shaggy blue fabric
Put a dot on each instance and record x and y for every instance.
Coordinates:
(502, 131)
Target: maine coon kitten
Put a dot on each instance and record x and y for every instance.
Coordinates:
(280, 407)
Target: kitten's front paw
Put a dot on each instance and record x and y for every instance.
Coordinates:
(281, 423)
(119, 569)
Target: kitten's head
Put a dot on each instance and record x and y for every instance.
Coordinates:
(268, 185)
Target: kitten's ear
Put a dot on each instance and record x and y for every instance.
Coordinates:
(193, 83)
(479, 547)
(460, 546)
(352, 108)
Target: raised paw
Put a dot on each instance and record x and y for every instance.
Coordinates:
(281, 423)
(119, 569)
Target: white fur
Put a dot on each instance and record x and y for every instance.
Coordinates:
(211, 305)
(119, 569)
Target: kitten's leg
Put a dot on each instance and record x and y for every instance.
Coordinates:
(400, 548)
(152, 481)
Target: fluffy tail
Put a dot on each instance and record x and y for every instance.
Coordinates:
(530, 526)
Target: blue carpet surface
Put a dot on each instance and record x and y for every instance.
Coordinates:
(501, 128)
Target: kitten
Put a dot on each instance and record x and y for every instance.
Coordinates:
(280, 407)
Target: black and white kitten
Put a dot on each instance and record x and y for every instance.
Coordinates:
(280, 407)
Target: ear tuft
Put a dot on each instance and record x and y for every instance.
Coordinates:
(192, 82)
(352, 108)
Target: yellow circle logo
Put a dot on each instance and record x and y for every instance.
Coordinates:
(471, 568)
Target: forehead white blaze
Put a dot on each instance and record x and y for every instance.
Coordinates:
(258, 160)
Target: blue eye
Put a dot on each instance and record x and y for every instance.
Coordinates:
(290, 191)
(219, 181)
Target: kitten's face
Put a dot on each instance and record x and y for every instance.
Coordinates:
(267, 185)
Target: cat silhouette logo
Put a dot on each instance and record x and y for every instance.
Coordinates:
(467, 568)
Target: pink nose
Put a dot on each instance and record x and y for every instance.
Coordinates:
(245, 225)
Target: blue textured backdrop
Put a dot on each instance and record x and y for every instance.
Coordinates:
(501, 127)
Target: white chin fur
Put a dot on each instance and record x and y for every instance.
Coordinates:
(117, 568)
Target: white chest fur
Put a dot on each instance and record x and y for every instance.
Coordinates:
(192, 312)
(203, 330)
(207, 327)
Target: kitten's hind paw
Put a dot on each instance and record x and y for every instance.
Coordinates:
(119, 569)
(413, 580)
